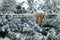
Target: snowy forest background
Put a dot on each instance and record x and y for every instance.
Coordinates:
(17, 20)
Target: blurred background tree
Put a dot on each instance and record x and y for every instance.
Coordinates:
(7, 5)
(19, 8)
(50, 6)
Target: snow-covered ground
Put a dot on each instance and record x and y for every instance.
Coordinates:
(6, 38)
(24, 28)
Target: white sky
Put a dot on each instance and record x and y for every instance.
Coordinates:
(26, 0)
(25, 5)
(19, 1)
